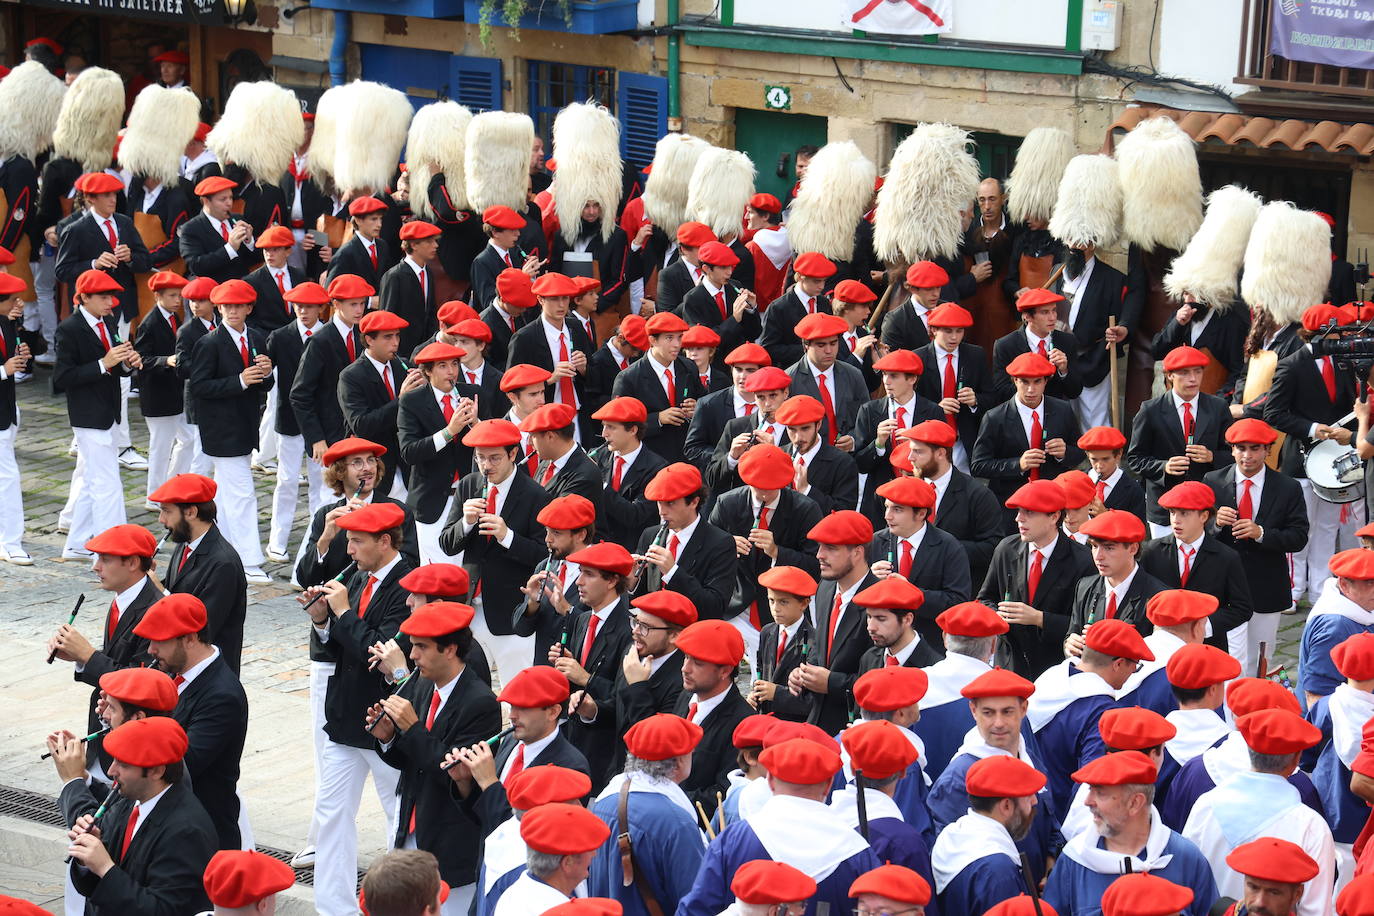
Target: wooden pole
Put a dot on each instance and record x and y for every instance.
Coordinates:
(1116, 378)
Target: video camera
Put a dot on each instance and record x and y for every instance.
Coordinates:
(1350, 346)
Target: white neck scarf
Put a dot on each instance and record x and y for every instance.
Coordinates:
(753, 795)
(805, 834)
(504, 852)
(1163, 645)
(1197, 730)
(1228, 758)
(1350, 710)
(1057, 688)
(642, 783)
(1332, 601)
(1084, 850)
(949, 676)
(977, 747)
(845, 803)
(965, 841)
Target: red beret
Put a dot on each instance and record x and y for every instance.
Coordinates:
(700, 336)
(949, 315)
(438, 351)
(515, 288)
(1102, 439)
(1134, 728)
(1319, 316)
(622, 410)
(163, 279)
(241, 877)
(1356, 563)
(454, 311)
(1354, 657)
(1365, 532)
(149, 688)
(766, 203)
(151, 742)
(892, 593)
(748, 354)
(92, 282)
(750, 731)
(174, 57)
(175, 615)
(124, 541)
(307, 293)
(536, 687)
(1145, 895)
(878, 749)
(202, 131)
(523, 375)
(971, 619)
(438, 618)
(926, 275)
(46, 42)
(843, 527)
(492, 434)
(1037, 496)
(216, 183)
(676, 481)
(502, 217)
(562, 830)
(586, 906)
(889, 688)
(769, 378)
(671, 607)
(1278, 731)
(1118, 639)
(554, 285)
(901, 361)
(1116, 525)
(352, 445)
(362, 206)
(854, 292)
(664, 323)
(1124, 768)
(1197, 666)
(10, 285)
(764, 882)
(767, 467)
(634, 329)
(234, 292)
(418, 229)
(437, 580)
(788, 579)
(374, 518)
(1357, 899)
(1022, 905)
(799, 410)
(1001, 776)
(1272, 859)
(1174, 607)
(1251, 694)
(1078, 488)
(607, 556)
(1184, 358)
(895, 882)
(909, 491)
(932, 432)
(900, 459)
(662, 736)
(1030, 365)
(814, 264)
(1191, 494)
(381, 320)
(713, 641)
(819, 326)
(548, 418)
(694, 235)
(1035, 298)
(200, 288)
(717, 254)
(546, 784)
(800, 761)
(185, 488)
(349, 286)
(782, 731)
(998, 682)
(567, 512)
(275, 237)
(1250, 430)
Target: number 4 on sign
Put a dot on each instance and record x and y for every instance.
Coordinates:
(778, 98)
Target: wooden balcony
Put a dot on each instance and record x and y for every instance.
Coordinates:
(1258, 67)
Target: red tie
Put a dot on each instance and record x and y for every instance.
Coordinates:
(1188, 422)
(1187, 564)
(178, 681)
(705, 381)
(104, 336)
(1246, 509)
(424, 291)
(616, 475)
(829, 406)
(372, 253)
(366, 597)
(243, 351)
(531, 460)
(517, 764)
(782, 646)
(110, 234)
(446, 407)
(434, 701)
(281, 285)
(1329, 376)
(852, 342)
(566, 393)
(348, 342)
(172, 320)
(1033, 579)
(763, 519)
(951, 388)
(1043, 351)
(672, 392)
(1102, 491)
(1037, 440)
(112, 622)
(308, 332)
(904, 566)
(224, 229)
(901, 418)
(834, 622)
(472, 377)
(692, 712)
(491, 501)
(129, 833)
(386, 380)
(1111, 606)
(510, 320)
(549, 471)
(749, 409)
(720, 302)
(592, 625)
(506, 255)
(672, 546)
(891, 661)
(185, 555)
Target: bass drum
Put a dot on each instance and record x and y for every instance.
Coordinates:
(1335, 472)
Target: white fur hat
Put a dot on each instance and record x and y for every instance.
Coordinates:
(497, 160)
(322, 141)
(1088, 209)
(837, 191)
(586, 146)
(88, 121)
(665, 194)
(30, 98)
(434, 146)
(932, 176)
(261, 129)
(1033, 185)
(1160, 185)
(1287, 261)
(369, 132)
(1209, 267)
(721, 185)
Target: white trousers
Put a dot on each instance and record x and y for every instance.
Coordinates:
(427, 534)
(237, 500)
(338, 794)
(41, 315)
(267, 427)
(97, 493)
(746, 629)
(290, 451)
(122, 440)
(11, 493)
(509, 654)
(1261, 628)
(169, 449)
(200, 462)
(1093, 406)
(1331, 528)
(320, 673)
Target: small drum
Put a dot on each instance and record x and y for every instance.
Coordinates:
(1335, 472)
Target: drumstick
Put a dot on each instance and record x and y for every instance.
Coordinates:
(710, 832)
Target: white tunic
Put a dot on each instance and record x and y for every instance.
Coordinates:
(528, 895)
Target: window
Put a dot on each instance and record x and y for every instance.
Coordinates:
(554, 86)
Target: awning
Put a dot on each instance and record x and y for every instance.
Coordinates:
(1213, 129)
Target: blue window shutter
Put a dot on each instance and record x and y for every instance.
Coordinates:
(476, 83)
(642, 105)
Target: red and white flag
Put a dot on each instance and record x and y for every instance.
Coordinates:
(899, 17)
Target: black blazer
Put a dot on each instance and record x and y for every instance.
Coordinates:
(400, 293)
(490, 806)
(163, 871)
(720, 476)
(1103, 296)
(228, 414)
(1090, 601)
(202, 248)
(970, 513)
(502, 571)
(1066, 387)
(432, 471)
(779, 336)
(627, 512)
(698, 307)
(352, 258)
(602, 368)
(832, 478)
(370, 412)
(878, 465)
(1157, 435)
(92, 396)
(708, 421)
(972, 373)
(674, 283)
(498, 349)
(545, 624)
(597, 740)
(769, 667)
(704, 571)
(1216, 570)
(84, 240)
(470, 715)
(636, 702)
(188, 335)
(939, 569)
(161, 392)
(270, 311)
(641, 381)
(1297, 399)
(1030, 650)
(213, 709)
(579, 474)
(1282, 513)
(1002, 439)
(486, 267)
(1224, 337)
(315, 389)
(849, 395)
(172, 208)
(714, 756)
(214, 574)
(924, 655)
(529, 346)
(793, 517)
(830, 710)
(285, 347)
(313, 570)
(1128, 495)
(903, 329)
(120, 649)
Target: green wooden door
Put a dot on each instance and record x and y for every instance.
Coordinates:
(769, 135)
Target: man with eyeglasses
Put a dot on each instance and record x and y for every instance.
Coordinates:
(890, 890)
(650, 677)
(767, 888)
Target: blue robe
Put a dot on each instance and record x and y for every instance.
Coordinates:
(1074, 890)
(486, 903)
(1317, 674)
(1069, 741)
(1153, 693)
(1346, 812)
(981, 885)
(899, 843)
(1193, 780)
(736, 845)
(668, 847)
(911, 797)
(942, 728)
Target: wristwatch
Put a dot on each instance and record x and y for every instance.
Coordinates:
(399, 673)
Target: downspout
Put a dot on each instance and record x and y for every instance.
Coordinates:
(338, 64)
(674, 67)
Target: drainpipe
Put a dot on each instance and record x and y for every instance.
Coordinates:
(338, 64)
(674, 68)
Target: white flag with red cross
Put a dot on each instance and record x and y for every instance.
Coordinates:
(898, 17)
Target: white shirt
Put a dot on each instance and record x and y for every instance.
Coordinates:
(1255, 491)
(706, 707)
(1110, 481)
(846, 600)
(195, 671)
(1191, 548)
(903, 653)
(528, 895)
(281, 277)
(379, 366)
(438, 438)
(222, 226)
(472, 375)
(683, 537)
(941, 485)
(189, 547)
(1072, 287)
(1197, 325)
(343, 328)
(1035, 342)
(914, 540)
(502, 489)
(145, 810)
(419, 273)
(150, 196)
(628, 458)
(828, 375)
(1120, 590)
(1045, 553)
(503, 253)
(660, 370)
(307, 332)
(1192, 408)
(740, 403)
(559, 461)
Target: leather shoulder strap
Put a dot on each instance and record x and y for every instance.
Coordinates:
(631, 873)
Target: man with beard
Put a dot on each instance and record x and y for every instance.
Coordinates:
(976, 862)
(890, 609)
(650, 677)
(1275, 871)
(1128, 836)
(550, 603)
(711, 651)
(203, 563)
